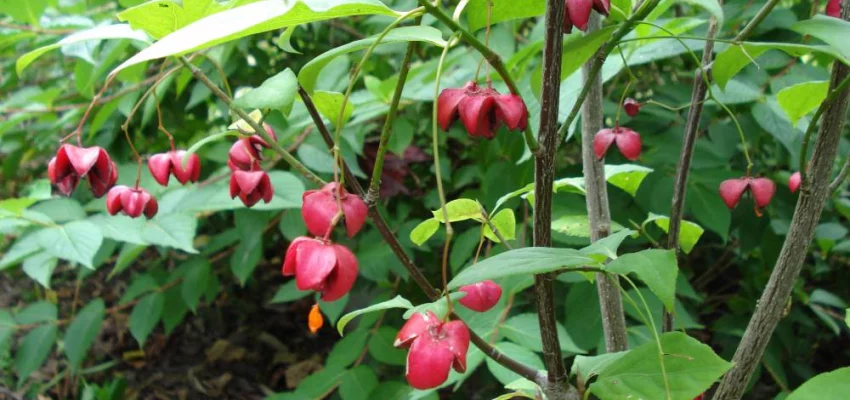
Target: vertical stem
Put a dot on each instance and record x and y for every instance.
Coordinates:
(610, 301)
(813, 197)
(544, 171)
(684, 167)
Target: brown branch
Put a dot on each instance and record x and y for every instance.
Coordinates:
(814, 194)
(389, 237)
(680, 188)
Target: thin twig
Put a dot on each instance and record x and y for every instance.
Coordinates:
(842, 175)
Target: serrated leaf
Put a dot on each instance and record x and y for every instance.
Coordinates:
(460, 210)
(395, 302)
(329, 105)
(802, 98)
(424, 231)
(83, 330)
(656, 268)
(39, 268)
(309, 74)
(277, 92)
(146, 314)
(525, 261)
(627, 176)
(689, 232)
(195, 283)
(24, 247)
(690, 368)
(76, 241)
(502, 10)
(34, 349)
(249, 19)
(175, 230)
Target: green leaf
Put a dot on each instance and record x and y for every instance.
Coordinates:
(627, 176)
(505, 223)
(117, 31)
(277, 92)
(381, 347)
(525, 261)
(798, 100)
(7, 327)
(288, 292)
(175, 230)
(524, 329)
(145, 316)
(195, 283)
(309, 74)
(41, 311)
(656, 268)
(248, 253)
(24, 247)
(34, 349)
(732, 60)
(76, 241)
(691, 367)
(249, 19)
(832, 31)
(460, 210)
(329, 105)
(439, 307)
(358, 383)
(827, 386)
(26, 11)
(40, 268)
(206, 140)
(346, 351)
(141, 284)
(16, 206)
(424, 231)
(502, 10)
(395, 302)
(82, 332)
(161, 17)
(606, 247)
(581, 47)
(518, 353)
(689, 232)
(712, 6)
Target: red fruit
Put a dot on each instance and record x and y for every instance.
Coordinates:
(628, 141)
(131, 202)
(164, 164)
(602, 6)
(762, 189)
(631, 106)
(579, 11)
(320, 207)
(568, 24)
(481, 296)
(246, 153)
(481, 110)
(794, 182)
(700, 397)
(72, 163)
(435, 347)
(833, 8)
(321, 266)
(251, 186)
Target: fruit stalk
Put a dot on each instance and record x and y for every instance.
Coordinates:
(812, 199)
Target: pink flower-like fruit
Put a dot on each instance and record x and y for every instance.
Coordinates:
(251, 187)
(320, 207)
(435, 348)
(73, 163)
(480, 296)
(322, 266)
(628, 141)
(794, 182)
(482, 110)
(132, 202)
(762, 190)
(631, 106)
(163, 165)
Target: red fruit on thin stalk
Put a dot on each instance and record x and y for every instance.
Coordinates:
(251, 187)
(73, 163)
(246, 153)
(132, 202)
(579, 11)
(163, 165)
(794, 182)
(833, 8)
(435, 348)
(762, 190)
(322, 266)
(631, 106)
(482, 110)
(628, 141)
(320, 207)
(480, 296)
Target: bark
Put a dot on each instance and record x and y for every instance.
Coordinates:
(813, 196)
(610, 301)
